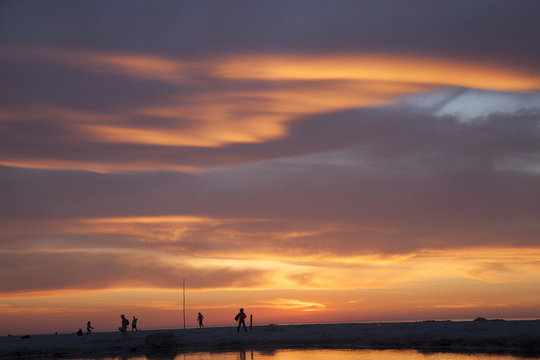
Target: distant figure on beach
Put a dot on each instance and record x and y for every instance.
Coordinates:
(134, 324)
(241, 318)
(79, 332)
(89, 328)
(125, 323)
(200, 318)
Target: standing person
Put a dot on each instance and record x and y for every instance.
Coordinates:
(200, 318)
(241, 318)
(134, 324)
(125, 323)
(89, 328)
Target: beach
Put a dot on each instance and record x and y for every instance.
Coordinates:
(461, 336)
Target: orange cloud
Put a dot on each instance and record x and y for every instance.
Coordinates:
(219, 118)
(227, 117)
(293, 304)
(94, 166)
(346, 66)
(378, 67)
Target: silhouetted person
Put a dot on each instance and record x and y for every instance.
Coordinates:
(125, 323)
(200, 318)
(79, 332)
(134, 324)
(250, 322)
(241, 318)
(89, 328)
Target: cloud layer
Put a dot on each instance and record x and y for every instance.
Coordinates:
(312, 157)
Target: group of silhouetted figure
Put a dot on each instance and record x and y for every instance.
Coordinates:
(125, 323)
(123, 327)
(89, 329)
(240, 317)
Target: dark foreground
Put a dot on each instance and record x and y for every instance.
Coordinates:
(517, 337)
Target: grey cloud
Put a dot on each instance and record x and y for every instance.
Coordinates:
(30, 84)
(502, 30)
(472, 104)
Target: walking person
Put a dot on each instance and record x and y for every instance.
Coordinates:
(241, 318)
(89, 328)
(134, 324)
(200, 318)
(125, 323)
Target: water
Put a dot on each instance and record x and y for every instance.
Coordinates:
(327, 354)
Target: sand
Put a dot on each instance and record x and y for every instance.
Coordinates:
(477, 336)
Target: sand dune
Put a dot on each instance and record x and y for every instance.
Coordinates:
(479, 336)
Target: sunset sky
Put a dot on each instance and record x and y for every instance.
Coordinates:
(308, 160)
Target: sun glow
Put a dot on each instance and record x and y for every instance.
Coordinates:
(341, 288)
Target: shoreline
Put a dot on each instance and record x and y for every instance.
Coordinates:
(488, 336)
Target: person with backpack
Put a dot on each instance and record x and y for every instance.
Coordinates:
(241, 318)
(125, 323)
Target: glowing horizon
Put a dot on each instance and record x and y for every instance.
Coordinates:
(288, 288)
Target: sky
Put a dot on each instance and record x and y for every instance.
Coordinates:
(307, 160)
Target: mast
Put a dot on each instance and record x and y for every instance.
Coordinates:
(184, 301)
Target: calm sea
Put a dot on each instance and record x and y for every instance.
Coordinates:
(327, 354)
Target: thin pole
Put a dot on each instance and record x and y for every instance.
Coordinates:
(184, 301)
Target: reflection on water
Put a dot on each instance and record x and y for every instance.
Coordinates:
(382, 355)
(326, 354)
